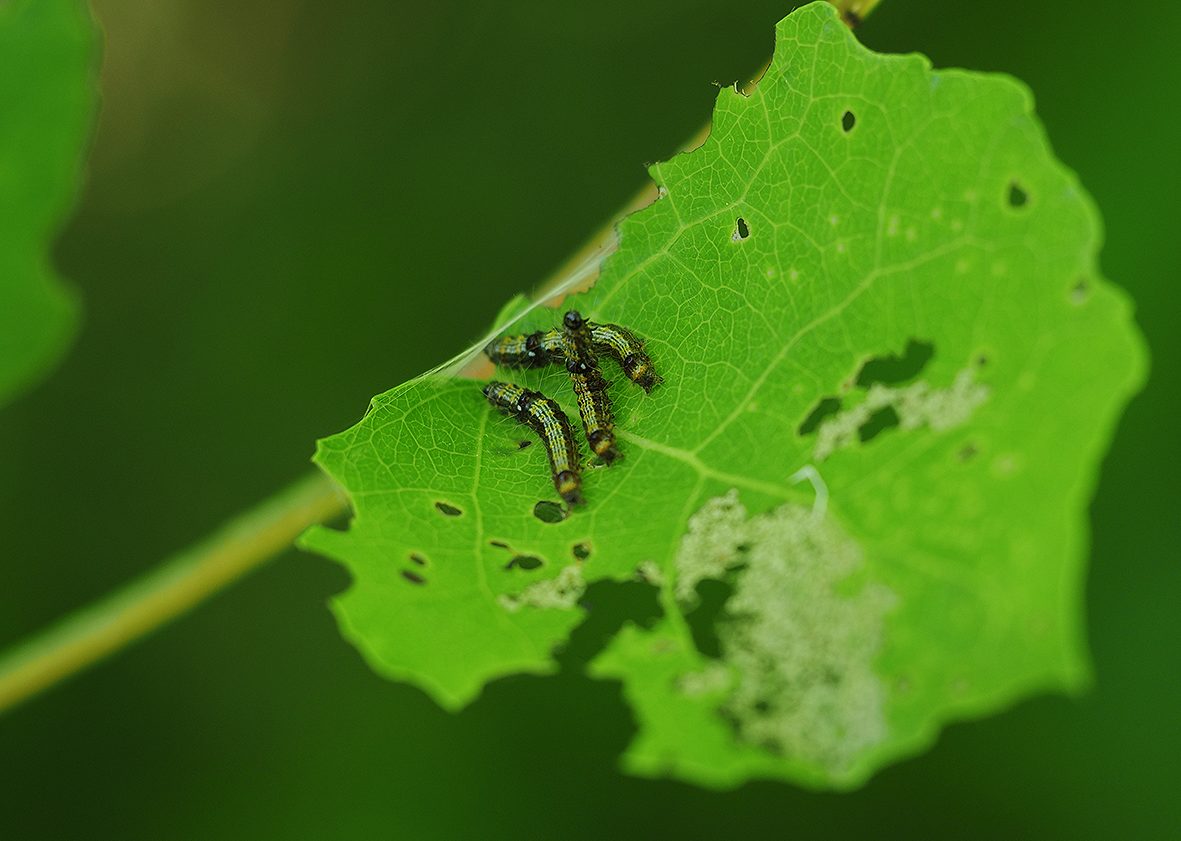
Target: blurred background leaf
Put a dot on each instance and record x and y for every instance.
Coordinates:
(278, 192)
(47, 100)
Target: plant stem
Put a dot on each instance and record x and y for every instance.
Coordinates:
(164, 593)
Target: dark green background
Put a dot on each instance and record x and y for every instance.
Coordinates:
(294, 205)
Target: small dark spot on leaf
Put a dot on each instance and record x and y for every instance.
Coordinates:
(524, 562)
(522, 444)
(549, 512)
(581, 551)
(1017, 195)
(982, 360)
(498, 544)
(741, 230)
(894, 369)
(881, 420)
(848, 120)
(1080, 292)
(967, 452)
(826, 408)
(448, 510)
(418, 559)
(413, 577)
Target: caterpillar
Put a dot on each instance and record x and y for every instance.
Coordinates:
(546, 418)
(532, 351)
(590, 389)
(628, 351)
(545, 348)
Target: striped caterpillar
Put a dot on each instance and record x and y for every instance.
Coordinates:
(590, 388)
(546, 418)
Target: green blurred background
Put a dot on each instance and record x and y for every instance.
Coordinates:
(294, 205)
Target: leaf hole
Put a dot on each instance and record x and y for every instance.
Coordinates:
(448, 510)
(703, 619)
(741, 230)
(826, 408)
(1018, 197)
(526, 562)
(523, 443)
(499, 544)
(413, 577)
(581, 551)
(881, 420)
(418, 559)
(549, 512)
(608, 604)
(848, 120)
(894, 369)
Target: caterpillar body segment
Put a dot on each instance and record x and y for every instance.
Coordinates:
(597, 421)
(515, 352)
(546, 418)
(532, 350)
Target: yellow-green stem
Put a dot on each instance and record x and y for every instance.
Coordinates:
(167, 591)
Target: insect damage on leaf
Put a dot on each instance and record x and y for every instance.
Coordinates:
(800, 647)
(561, 592)
(900, 314)
(910, 407)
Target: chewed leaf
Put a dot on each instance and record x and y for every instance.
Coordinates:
(864, 279)
(47, 99)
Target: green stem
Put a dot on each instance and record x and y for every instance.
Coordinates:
(180, 583)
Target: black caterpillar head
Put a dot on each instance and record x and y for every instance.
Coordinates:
(574, 320)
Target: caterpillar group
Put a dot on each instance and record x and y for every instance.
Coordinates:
(576, 346)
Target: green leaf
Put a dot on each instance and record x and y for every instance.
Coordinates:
(47, 100)
(891, 369)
